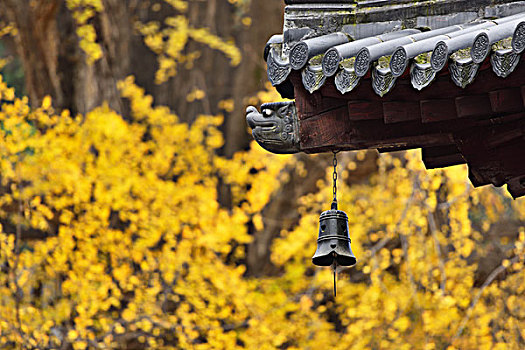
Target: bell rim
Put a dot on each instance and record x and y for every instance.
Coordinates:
(327, 260)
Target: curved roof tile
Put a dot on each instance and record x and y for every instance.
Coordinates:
(463, 46)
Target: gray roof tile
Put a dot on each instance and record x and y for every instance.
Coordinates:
(464, 47)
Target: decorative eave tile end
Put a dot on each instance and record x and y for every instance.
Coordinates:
(276, 128)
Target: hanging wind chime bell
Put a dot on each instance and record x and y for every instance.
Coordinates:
(333, 244)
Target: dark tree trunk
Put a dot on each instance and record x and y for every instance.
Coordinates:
(55, 65)
(36, 45)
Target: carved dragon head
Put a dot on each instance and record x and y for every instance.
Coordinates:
(276, 128)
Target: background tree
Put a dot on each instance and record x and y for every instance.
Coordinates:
(186, 54)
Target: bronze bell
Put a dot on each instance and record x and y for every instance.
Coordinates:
(333, 244)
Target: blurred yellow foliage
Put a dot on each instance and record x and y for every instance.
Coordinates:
(168, 39)
(195, 94)
(8, 29)
(139, 252)
(421, 292)
(139, 249)
(83, 12)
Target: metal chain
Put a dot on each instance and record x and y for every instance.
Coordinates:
(334, 177)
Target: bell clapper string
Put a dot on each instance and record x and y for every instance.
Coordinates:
(335, 276)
